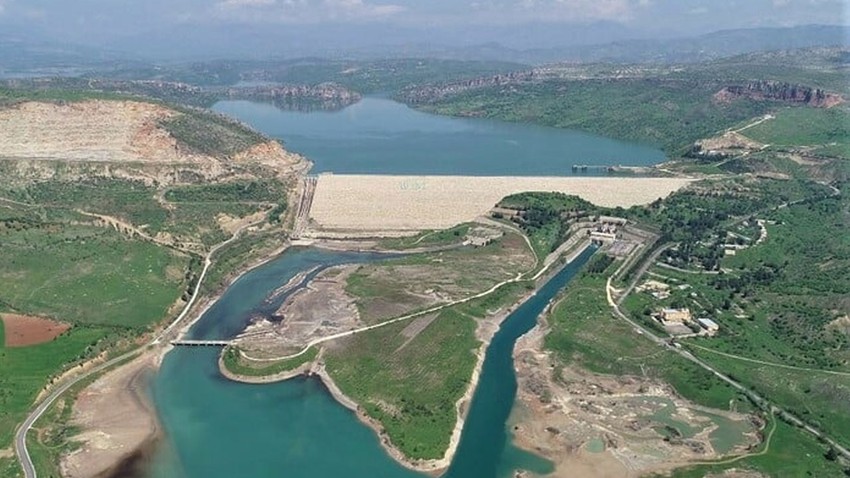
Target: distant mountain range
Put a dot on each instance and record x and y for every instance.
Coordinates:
(710, 46)
(18, 53)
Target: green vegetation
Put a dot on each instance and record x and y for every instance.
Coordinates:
(187, 212)
(827, 131)
(10, 96)
(791, 454)
(382, 76)
(264, 191)
(130, 201)
(87, 275)
(366, 76)
(545, 217)
(669, 107)
(409, 384)
(234, 362)
(445, 237)
(24, 370)
(584, 332)
(662, 112)
(209, 133)
(233, 258)
(391, 288)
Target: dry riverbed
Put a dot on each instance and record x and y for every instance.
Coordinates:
(597, 426)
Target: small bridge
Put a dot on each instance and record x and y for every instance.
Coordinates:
(200, 343)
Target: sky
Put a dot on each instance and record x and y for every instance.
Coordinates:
(98, 22)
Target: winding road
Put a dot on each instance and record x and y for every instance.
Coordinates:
(21, 433)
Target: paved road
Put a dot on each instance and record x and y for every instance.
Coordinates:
(21, 433)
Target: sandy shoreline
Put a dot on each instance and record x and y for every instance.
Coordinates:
(118, 422)
(114, 442)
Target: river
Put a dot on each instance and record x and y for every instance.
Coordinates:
(218, 428)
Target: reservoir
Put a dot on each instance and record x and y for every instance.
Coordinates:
(218, 428)
(381, 136)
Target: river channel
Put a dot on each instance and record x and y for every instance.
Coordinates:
(218, 428)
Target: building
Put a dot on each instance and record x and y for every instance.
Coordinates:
(709, 325)
(675, 316)
(619, 221)
(602, 237)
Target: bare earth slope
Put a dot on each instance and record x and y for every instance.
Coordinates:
(107, 131)
(89, 131)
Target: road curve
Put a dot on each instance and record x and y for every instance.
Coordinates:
(21, 450)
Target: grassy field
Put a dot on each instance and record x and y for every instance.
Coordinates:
(23, 371)
(584, 333)
(827, 131)
(88, 275)
(187, 212)
(391, 288)
(234, 363)
(441, 237)
(409, 385)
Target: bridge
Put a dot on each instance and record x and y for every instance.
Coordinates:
(200, 343)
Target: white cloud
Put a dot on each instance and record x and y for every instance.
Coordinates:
(567, 10)
(304, 10)
(227, 4)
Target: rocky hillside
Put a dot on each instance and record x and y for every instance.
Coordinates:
(779, 91)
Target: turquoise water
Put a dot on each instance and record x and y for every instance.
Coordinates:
(485, 450)
(217, 428)
(381, 136)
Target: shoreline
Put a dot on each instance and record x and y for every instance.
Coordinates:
(116, 442)
(143, 408)
(485, 332)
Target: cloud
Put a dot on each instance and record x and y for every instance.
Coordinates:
(558, 10)
(229, 4)
(306, 11)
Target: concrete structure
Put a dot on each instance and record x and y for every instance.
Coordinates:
(617, 221)
(675, 316)
(708, 325)
(602, 237)
(381, 204)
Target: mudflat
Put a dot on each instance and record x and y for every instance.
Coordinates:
(411, 203)
(115, 418)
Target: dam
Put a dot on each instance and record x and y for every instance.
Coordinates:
(395, 204)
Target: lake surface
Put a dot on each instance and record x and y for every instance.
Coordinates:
(218, 428)
(381, 136)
